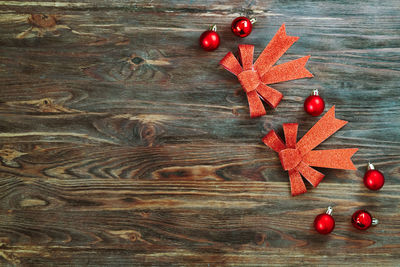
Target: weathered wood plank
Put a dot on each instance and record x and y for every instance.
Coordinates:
(157, 218)
(122, 143)
(202, 161)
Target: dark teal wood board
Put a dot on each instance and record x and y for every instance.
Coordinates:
(123, 143)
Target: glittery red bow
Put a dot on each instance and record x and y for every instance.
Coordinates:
(297, 158)
(254, 78)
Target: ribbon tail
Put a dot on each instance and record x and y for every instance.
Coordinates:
(256, 106)
(279, 44)
(324, 128)
(246, 56)
(335, 158)
(230, 63)
(297, 185)
(273, 141)
(271, 96)
(312, 175)
(291, 70)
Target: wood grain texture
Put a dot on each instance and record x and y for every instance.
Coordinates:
(123, 143)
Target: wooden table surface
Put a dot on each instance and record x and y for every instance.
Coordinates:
(123, 143)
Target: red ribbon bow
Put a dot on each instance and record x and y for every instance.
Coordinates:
(254, 78)
(297, 158)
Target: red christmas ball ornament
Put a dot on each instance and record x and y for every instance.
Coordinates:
(242, 26)
(373, 179)
(210, 40)
(362, 220)
(314, 104)
(324, 223)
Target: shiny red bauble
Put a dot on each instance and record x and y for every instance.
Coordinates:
(324, 223)
(373, 179)
(314, 104)
(241, 26)
(209, 40)
(361, 219)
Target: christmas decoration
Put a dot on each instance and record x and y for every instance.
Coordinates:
(242, 26)
(314, 104)
(254, 77)
(373, 179)
(297, 158)
(362, 220)
(210, 40)
(324, 223)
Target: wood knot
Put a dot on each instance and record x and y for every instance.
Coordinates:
(39, 105)
(147, 132)
(47, 105)
(140, 66)
(130, 235)
(42, 24)
(8, 155)
(145, 214)
(42, 21)
(137, 60)
(260, 238)
(133, 237)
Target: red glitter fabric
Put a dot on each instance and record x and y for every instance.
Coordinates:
(298, 157)
(254, 77)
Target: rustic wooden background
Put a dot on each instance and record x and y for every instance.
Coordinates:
(123, 143)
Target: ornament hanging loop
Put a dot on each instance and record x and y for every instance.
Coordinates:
(371, 166)
(315, 92)
(213, 27)
(329, 210)
(253, 20)
(375, 221)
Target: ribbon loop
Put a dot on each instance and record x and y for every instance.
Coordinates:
(290, 131)
(269, 95)
(230, 63)
(273, 141)
(313, 176)
(246, 56)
